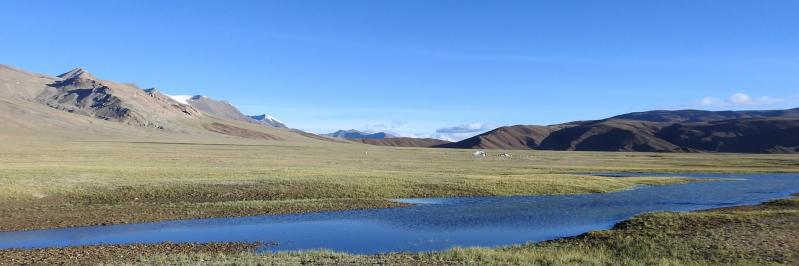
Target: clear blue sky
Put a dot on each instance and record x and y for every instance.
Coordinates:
(422, 66)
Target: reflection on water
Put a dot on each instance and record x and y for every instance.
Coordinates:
(434, 224)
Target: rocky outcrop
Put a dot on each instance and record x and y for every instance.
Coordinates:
(79, 92)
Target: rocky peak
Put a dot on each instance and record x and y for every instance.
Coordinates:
(152, 91)
(77, 73)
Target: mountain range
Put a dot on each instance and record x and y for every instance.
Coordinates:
(403, 142)
(775, 131)
(385, 139)
(357, 134)
(225, 110)
(76, 105)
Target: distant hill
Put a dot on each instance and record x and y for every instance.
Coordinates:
(385, 139)
(689, 116)
(403, 142)
(511, 137)
(775, 131)
(356, 134)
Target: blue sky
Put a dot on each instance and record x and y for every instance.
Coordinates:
(429, 68)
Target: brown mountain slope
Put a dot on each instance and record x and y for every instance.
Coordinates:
(239, 132)
(753, 132)
(512, 137)
(79, 107)
(403, 142)
(319, 137)
(755, 135)
(612, 135)
(692, 116)
(79, 92)
(225, 110)
(19, 84)
(22, 114)
(219, 109)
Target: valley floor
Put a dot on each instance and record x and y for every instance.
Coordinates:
(63, 184)
(50, 184)
(747, 235)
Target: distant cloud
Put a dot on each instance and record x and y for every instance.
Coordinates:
(412, 135)
(452, 138)
(394, 124)
(740, 100)
(461, 132)
(710, 101)
(447, 137)
(467, 128)
(454, 133)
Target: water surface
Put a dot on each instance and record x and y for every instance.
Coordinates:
(435, 223)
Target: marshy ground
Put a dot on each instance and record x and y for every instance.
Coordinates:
(747, 235)
(92, 183)
(63, 184)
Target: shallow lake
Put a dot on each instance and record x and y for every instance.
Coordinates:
(435, 223)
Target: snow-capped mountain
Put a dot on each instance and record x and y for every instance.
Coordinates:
(184, 99)
(268, 120)
(225, 110)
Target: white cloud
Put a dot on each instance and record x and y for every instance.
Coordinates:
(394, 124)
(454, 133)
(467, 128)
(406, 135)
(421, 136)
(710, 101)
(770, 100)
(457, 133)
(457, 136)
(447, 137)
(740, 99)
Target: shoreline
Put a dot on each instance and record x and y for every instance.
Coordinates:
(73, 215)
(787, 207)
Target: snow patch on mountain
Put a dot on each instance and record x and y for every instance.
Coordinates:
(184, 99)
(272, 118)
(268, 120)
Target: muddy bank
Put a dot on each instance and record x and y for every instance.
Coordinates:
(117, 254)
